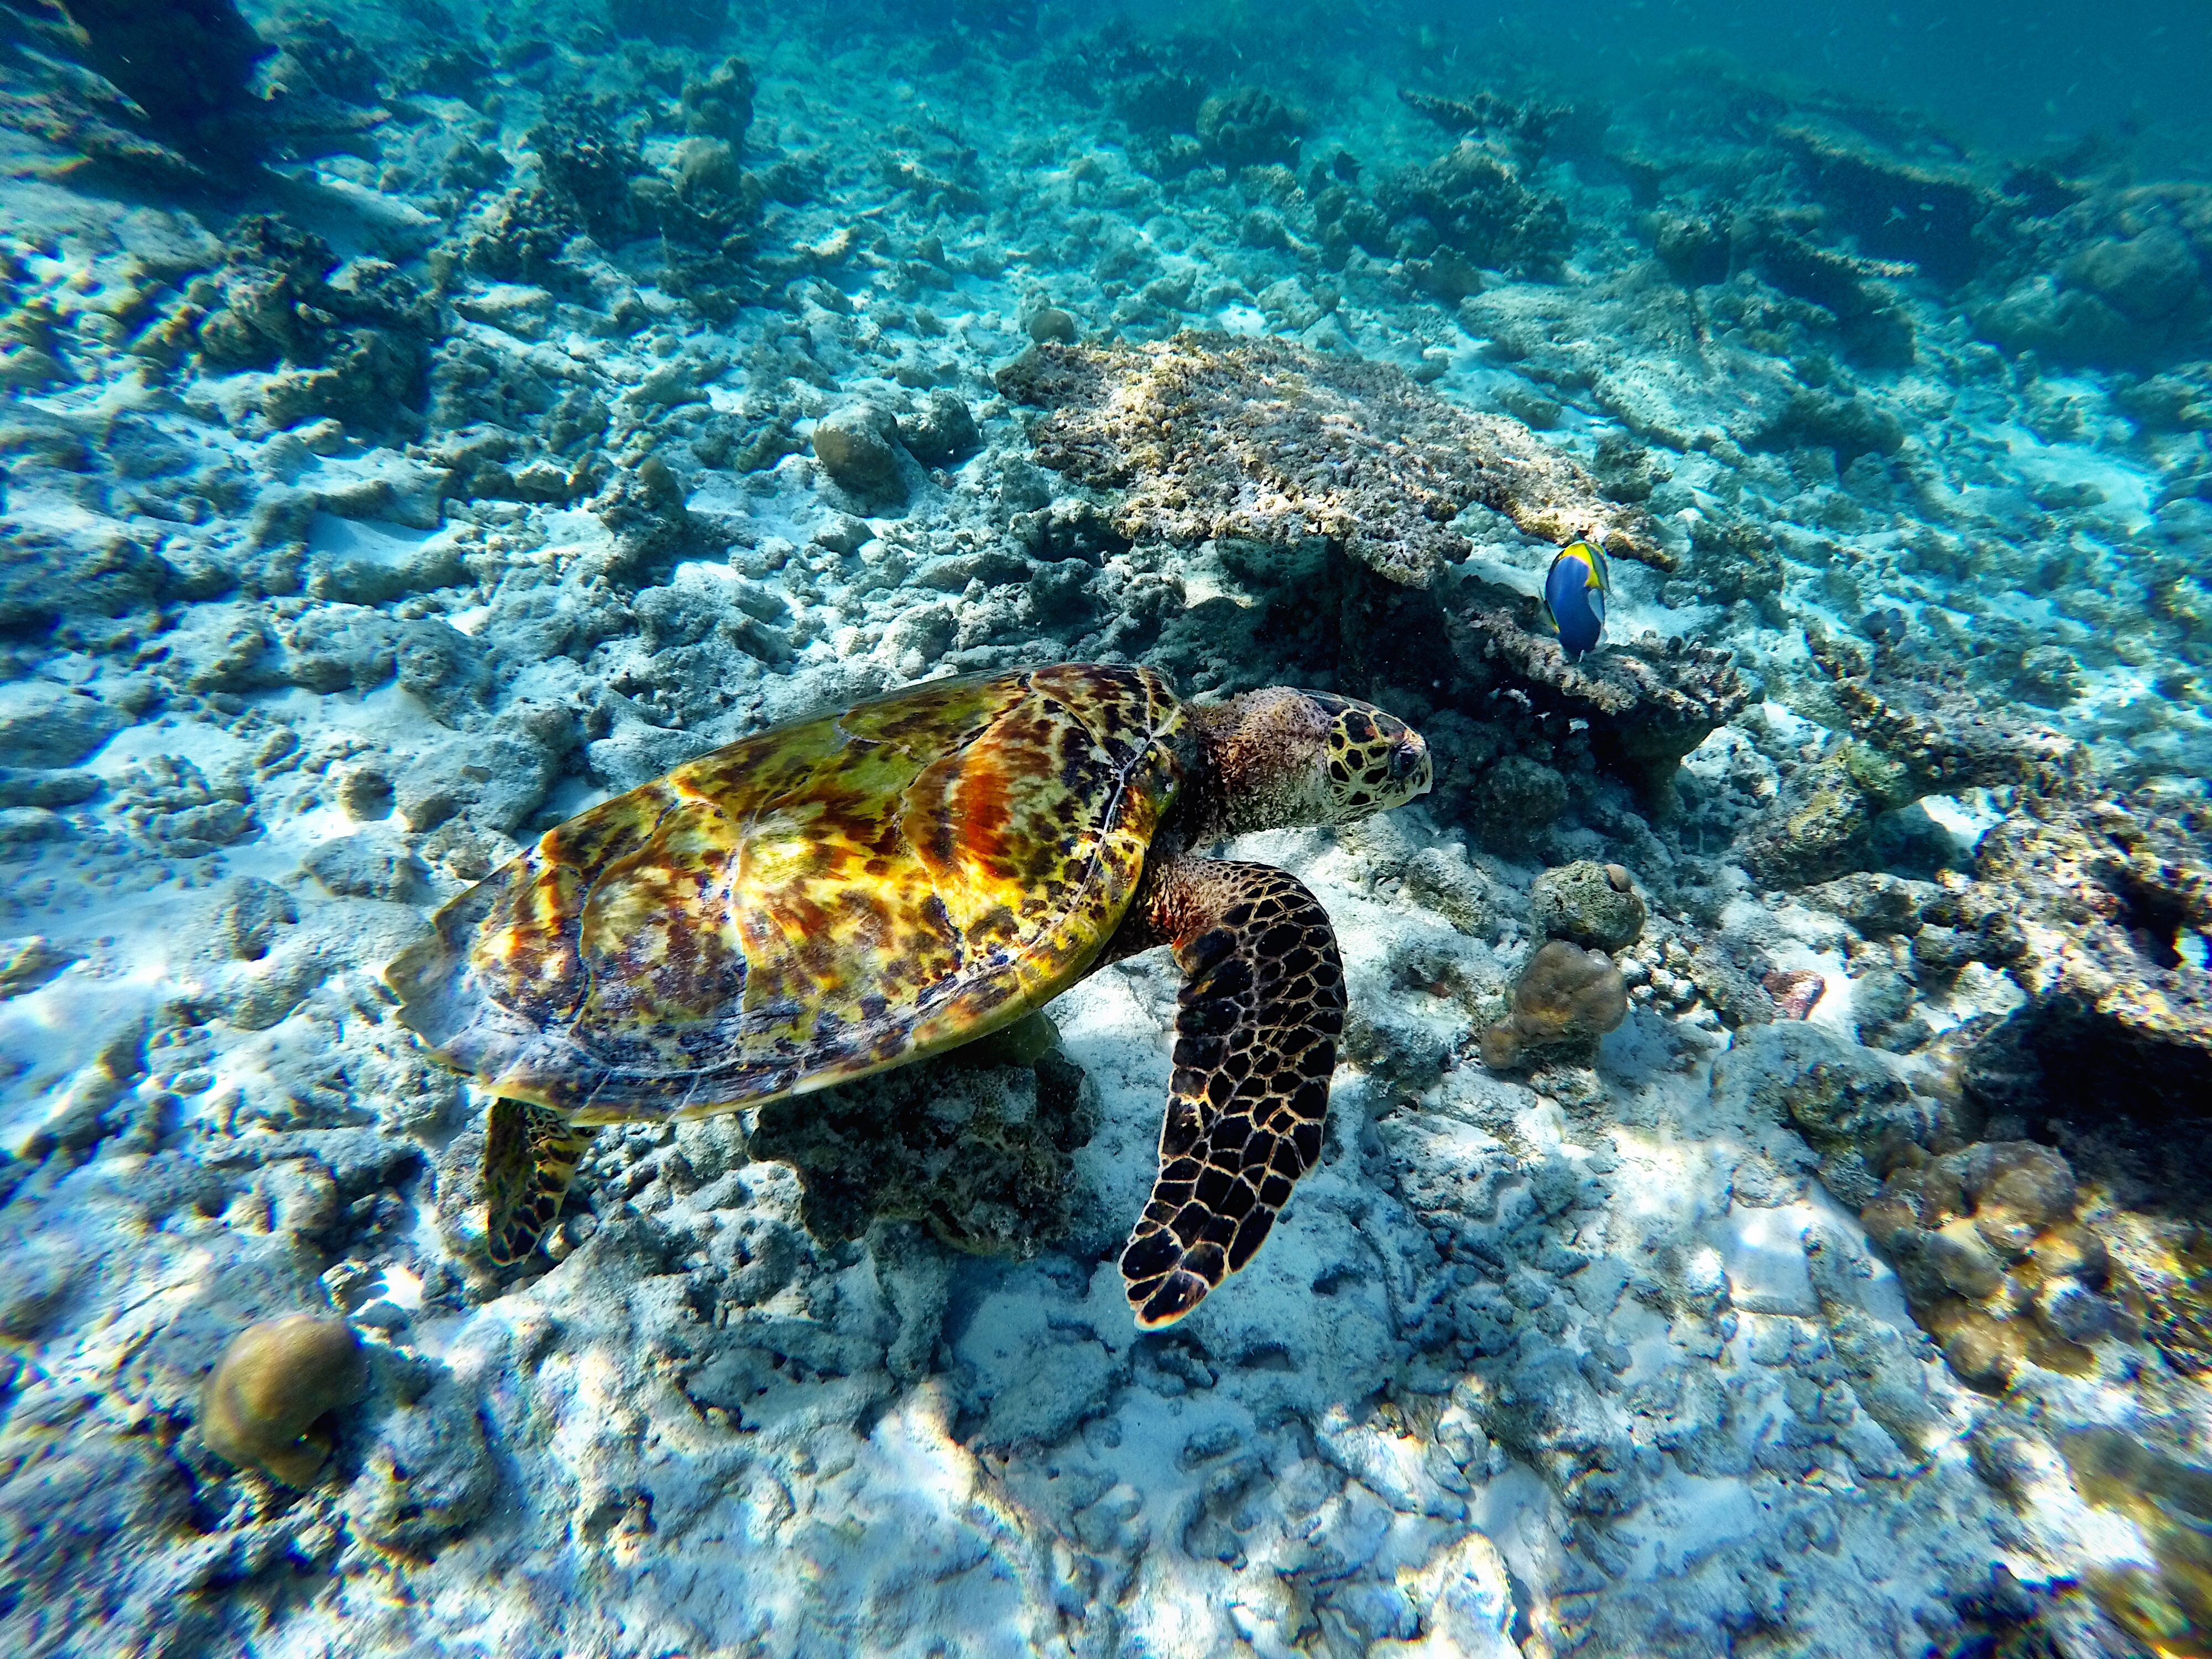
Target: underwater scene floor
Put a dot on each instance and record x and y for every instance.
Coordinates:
(1761, 1203)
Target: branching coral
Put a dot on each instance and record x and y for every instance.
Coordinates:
(1209, 436)
(1914, 731)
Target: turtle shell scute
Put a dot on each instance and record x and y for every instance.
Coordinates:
(823, 900)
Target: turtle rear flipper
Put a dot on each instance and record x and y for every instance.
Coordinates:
(531, 1155)
(1261, 1006)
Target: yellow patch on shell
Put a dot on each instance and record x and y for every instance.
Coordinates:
(810, 904)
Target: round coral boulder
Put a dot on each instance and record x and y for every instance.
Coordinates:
(263, 1405)
(1589, 904)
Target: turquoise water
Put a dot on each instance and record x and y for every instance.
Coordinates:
(470, 1178)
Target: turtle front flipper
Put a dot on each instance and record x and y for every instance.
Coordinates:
(1261, 1007)
(531, 1155)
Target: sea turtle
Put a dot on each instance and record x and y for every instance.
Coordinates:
(846, 893)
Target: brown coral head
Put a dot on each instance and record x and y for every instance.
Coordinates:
(1566, 992)
(1565, 995)
(1501, 1046)
(264, 1403)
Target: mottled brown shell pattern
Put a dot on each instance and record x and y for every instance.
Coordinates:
(811, 904)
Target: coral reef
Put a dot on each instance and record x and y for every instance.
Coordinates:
(1565, 999)
(1209, 436)
(368, 511)
(2117, 279)
(351, 337)
(2109, 899)
(1529, 125)
(1647, 702)
(1248, 127)
(185, 67)
(1473, 203)
(265, 1403)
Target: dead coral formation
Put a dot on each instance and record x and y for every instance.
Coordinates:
(1648, 702)
(1926, 210)
(1587, 903)
(942, 432)
(2117, 280)
(1733, 559)
(1473, 202)
(352, 338)
(977, 1148)
(721, 106)
(1915, 730)
(263, 1406)
(594, 177)
(1528, 126)
(1994, 1260)
(1855, 293)
(1566, 998)
(1212, 436)
(1848, 1104)
(1248, 126)
(2112, 898)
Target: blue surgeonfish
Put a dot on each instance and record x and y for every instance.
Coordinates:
(1574, 598)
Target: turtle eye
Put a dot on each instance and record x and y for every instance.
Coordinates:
(1406, 756)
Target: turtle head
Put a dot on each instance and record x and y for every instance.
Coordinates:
(1283, 759)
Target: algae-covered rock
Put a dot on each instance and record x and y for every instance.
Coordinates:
(1587, 903)
(2107, 902)
(1565, 998)
(263, 1405)
(856, 452)
(1840, 1097)
(941, 433)
(1210, 435)
(1993, 1259)
(427, 1476)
